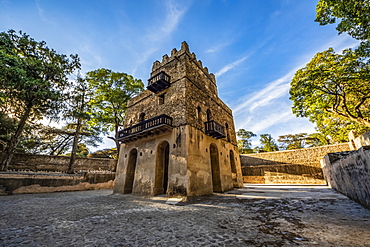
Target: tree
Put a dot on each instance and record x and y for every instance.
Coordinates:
(333, 89)
(333, 86)
(244, 143)
(33, 80)
(353, 16)
(268, 143)
(79, 111)
(110, 153)
(81, 151)
(296, 141)
(112, 90)
(317, 139)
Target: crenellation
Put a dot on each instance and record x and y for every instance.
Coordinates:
(173, 52)
(185, 47)
(156, 65)
(165, 58)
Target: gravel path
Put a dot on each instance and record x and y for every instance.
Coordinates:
(251, 216)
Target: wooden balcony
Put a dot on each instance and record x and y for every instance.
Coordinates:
(214, 129)
(159, 82)
(147, 128)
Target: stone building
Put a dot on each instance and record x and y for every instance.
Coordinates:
(178, 137)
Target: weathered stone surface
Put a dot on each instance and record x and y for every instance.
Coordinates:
(33, 182)
(300, 166)
(359, 141)
(260, 216)
(349, 173)
(59, 163)
(181, 160)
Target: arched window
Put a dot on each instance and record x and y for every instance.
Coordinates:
(209, 115)
(199, 113)
(142, 117)
(227, 132)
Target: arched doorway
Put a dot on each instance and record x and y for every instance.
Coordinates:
(233, 169)
(130, 171)
(215, 166)
(161, 169)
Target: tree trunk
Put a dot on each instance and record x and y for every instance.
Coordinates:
(116, 138)
(9, 152)
(117, 143)
(74, 146)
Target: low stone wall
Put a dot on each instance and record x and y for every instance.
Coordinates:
(59, 163)
(363, 140)
(349, 174)
(300, 166)
(33, 182)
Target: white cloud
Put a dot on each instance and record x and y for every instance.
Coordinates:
(267, 110)
(275, 89)
(159, 34)
(230, 66)
(219, 47)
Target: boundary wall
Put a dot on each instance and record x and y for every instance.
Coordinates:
(349, 172)
(45, 173)
(300, 166)
(53, 163)
(34, 182)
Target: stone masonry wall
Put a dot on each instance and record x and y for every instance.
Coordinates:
(349, 174)
(301, 166)
(59, 163)
(192, 86)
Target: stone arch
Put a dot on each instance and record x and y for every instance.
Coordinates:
(233, 169)
(215, 167)
(161, 168)
(130, 171)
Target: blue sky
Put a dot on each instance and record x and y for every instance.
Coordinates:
(253, 47)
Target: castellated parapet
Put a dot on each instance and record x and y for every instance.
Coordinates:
(178, 137)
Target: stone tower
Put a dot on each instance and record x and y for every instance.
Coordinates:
(178, 137)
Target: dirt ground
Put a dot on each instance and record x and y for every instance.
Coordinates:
(255, 215)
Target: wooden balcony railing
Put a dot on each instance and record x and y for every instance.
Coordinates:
(214, 129)
(150, 127)
(159, 82)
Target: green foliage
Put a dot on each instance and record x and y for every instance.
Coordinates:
(353, 16)
(111, 90)
(33, 80)
(333, 90)
(317, 139)
(333, 86)
(268, 143)
(296, 141)
(7, 127)
(81, 152)
(32, 75)
(109, 153)
(244, 143)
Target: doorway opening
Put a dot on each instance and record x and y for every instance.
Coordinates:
(233, 169)
(161, 170)
(215, 167)
(130, 171)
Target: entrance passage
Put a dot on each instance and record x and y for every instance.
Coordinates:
(130, 171)
(233, 169)
(215, 166)
(161, 170)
